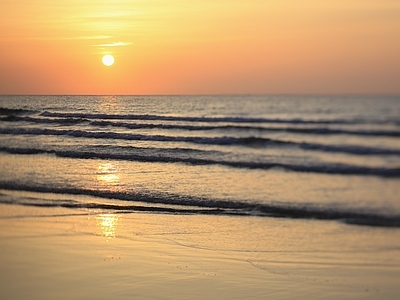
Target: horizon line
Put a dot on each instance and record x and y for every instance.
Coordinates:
(222, 94)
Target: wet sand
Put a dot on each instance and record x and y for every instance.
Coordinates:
(57, 253)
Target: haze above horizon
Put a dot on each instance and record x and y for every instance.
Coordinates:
(200, 47)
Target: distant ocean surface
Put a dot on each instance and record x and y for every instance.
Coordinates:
(330, 158)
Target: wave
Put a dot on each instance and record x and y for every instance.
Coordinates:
(14, 111)
(139, 137)
(200, 119)
(324, 131)
(103, 123)
(194, 205)
(348, 149)
(342, 169)
(250, 141)
(61, 121)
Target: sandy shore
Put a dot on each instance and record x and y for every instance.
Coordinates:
(55, 253)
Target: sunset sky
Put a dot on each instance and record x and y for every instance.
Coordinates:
(200, 46)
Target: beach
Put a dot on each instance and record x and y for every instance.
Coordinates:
(199, 150)
(49, 253)
(199, 197)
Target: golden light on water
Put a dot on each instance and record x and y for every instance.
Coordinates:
(108, 224)
(109, 104)
(108, 174)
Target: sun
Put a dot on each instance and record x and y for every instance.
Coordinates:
(108, 60)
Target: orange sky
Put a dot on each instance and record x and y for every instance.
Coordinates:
(200, 46)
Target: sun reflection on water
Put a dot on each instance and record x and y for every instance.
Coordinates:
(108, 224)
(108, 104)
(108, 174)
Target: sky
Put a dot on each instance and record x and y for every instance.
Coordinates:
(200, 47)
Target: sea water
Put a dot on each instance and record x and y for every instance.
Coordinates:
(329, 158)
(261, 195)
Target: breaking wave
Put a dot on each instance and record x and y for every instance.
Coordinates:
(180, 204)
(249, 141)
(198, 119)
(323, 168)
(296, 130)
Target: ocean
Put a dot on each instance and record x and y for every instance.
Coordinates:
(177, 197)
(325, 158)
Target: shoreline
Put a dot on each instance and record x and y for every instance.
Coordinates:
(82, 254)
